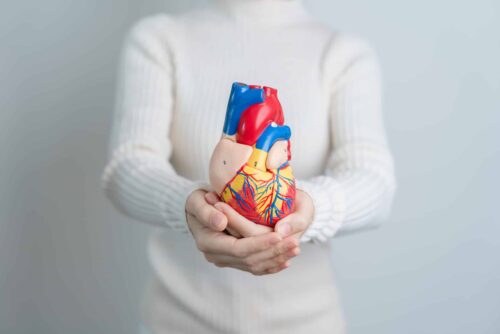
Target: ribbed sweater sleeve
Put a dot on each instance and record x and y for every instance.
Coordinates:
(357, 186)
(139, 179)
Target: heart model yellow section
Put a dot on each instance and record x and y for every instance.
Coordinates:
(260, 195)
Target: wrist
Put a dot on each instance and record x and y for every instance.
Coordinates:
(329, 208)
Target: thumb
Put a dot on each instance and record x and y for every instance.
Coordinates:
(291, 224)
(240, 224)
(299, 220)
(283, 227)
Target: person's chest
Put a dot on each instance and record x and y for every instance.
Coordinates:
(206, 63)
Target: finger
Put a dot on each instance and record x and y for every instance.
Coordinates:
(233, 232)
(189, 222)
(269, 265)
(298, 235)
(223, 261)
(251, 261)
(279, 268)
(194, 200)
(280, 249)
(291, 250)
(268, 270)
(212, 197)
(245, 247)
(193, 224)
(277, 261)
(199, 232)
(209, 241)
(205, 213)
(239, 223)
(291, 225)
(299, 220)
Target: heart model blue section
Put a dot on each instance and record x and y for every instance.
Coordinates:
(272, 134)
(241, 97)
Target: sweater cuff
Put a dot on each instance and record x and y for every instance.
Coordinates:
(329, 208)
(180, 219)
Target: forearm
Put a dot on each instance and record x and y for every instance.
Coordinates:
(355, 193)
(358, 182)
(143, 186)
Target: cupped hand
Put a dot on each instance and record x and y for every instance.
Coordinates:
(259, 254)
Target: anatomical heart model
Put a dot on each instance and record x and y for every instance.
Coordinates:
(249, 168)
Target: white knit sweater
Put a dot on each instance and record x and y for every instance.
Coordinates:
(176, 74)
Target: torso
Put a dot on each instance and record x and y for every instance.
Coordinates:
(292, 66)
(303, 298)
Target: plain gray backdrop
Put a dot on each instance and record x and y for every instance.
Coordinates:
(69, 263)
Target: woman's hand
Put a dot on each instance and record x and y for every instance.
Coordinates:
(296, 223)
(258, 254)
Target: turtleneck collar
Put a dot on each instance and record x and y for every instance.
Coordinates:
(263, 11)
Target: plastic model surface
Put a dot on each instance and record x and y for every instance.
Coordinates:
(249, 168)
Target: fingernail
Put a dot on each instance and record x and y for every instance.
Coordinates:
(284, 229)
(211, 198)
(215, 220)
(218, 206)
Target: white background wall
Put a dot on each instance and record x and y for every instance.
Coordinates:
(70, 264)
